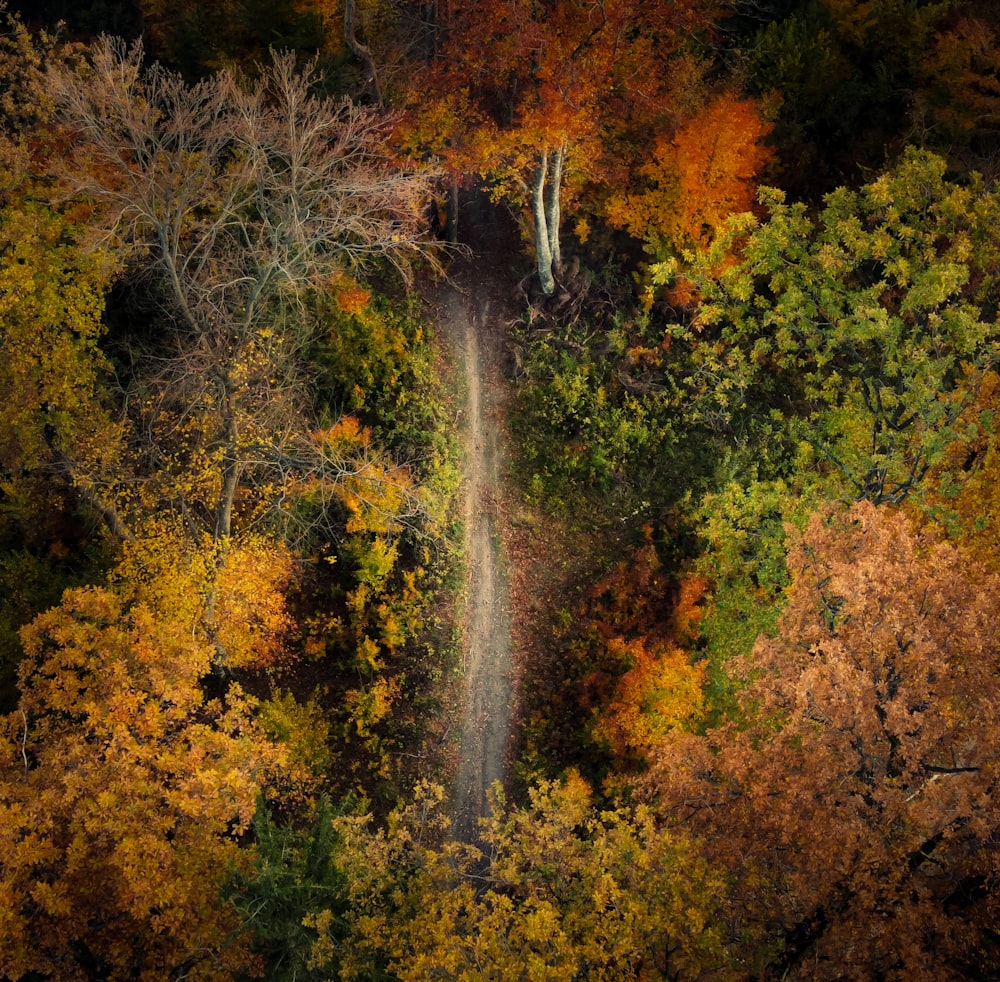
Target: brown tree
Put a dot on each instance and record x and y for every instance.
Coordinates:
(856, 799)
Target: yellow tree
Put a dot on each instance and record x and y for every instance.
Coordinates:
(234, 206)
(123, 793)
(51, 304)
(567, 891)
(51, 285)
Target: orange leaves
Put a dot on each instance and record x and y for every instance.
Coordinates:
(346, 436)
(687, 612)
(719, 153)
(351, 298)
(642, 684)
(232, 593)
(661, 691)
(377, 493)
(697, 177)
(250, 588)
(522, 78)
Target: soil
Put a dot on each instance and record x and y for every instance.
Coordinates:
(474, 308)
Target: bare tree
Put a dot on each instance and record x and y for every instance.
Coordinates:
(232, 205)
(236, 202)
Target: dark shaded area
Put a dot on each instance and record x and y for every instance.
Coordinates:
(83, 20)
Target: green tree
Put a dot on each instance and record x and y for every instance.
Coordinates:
(857, 339)
(294, 875)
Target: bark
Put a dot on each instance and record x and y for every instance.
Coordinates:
(553, 216)
(451, 214)
(224, 509)
(105, 508)
(543, 247)
(361, 51)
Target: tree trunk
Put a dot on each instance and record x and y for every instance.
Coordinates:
(361, 51)
(451, 213)
(230, 476)
(553, 217)
(543, 247)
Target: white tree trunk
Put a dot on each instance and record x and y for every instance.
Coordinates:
(543, 247)
(553, 216)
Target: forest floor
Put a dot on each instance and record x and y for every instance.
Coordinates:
(523, 567)
(474, 307)
(487, 712)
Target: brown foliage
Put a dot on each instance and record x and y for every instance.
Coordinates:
(855, 801)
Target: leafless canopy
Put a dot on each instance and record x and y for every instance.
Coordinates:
(238, 199)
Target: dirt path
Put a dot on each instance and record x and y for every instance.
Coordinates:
(486, 716)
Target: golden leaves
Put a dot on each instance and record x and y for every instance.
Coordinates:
(568, 890)
(134, 782)
(51, 302)
(661, 690)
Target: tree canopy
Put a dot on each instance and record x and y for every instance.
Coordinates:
(739, 374)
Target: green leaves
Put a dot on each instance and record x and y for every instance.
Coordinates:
(293, 885)
(857, 326)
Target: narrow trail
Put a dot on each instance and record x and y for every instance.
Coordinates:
(486, 716)
(470, 315)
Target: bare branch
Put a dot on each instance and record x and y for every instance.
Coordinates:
(241, 202)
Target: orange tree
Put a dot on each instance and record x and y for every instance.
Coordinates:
(696, 178)
(532, 94)
(623, 676)
(123, 794)
(854, 799)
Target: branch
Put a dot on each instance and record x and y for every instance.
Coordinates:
(24, 742)
(360, 51)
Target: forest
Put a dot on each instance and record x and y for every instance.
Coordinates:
(733, 267)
